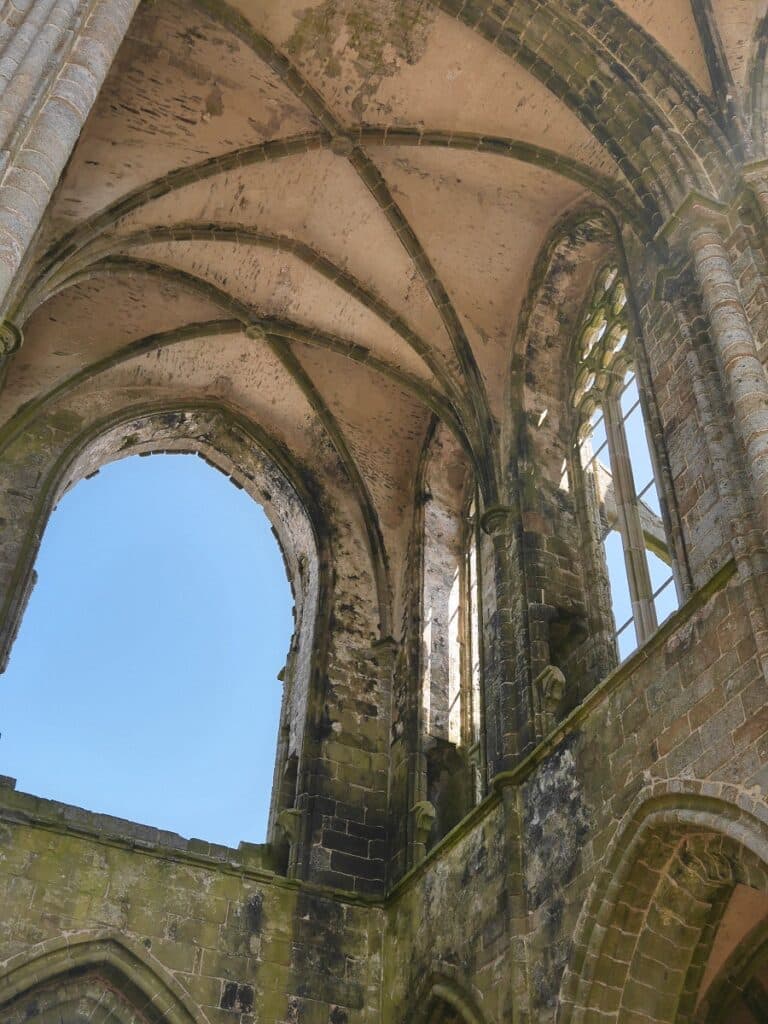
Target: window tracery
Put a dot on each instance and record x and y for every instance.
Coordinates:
(615, 455)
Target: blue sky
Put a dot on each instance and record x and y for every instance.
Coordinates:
(143, 680)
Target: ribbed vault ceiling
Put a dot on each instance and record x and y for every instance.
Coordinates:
(367, 182)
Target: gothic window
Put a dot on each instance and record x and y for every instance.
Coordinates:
(451, 656)
(616, 458)
(472, 660)
(451, 629)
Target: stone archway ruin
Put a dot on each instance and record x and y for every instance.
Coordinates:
(349, 253)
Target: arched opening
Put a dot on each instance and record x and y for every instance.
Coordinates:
(618, 467)
(683, 883)
(261, 466)
(97, 977)
(734, 989)
(568, 604)
(150, 650)
(444, 1001)
(442, 1012)
(603, 562)
(451, 658)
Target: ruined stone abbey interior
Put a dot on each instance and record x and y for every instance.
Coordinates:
(472, 297)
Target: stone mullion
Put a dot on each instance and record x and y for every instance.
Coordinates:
(670, 513)
(466, 646)
(415, 727)
(743, 373)
(502, 524)
(39, 159)
(596, 583)
(630, 527)
(482, 738)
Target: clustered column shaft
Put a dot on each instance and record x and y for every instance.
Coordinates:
(731, 334)
(34, 154)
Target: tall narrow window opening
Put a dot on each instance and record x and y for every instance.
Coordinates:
(616, 458)
(451, 656)
(472, 659)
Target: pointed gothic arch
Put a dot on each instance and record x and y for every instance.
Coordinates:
(680, 851)
(247, 456)
(442, 1000)
(65, 971)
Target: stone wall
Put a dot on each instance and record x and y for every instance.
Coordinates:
(345, 254)
(682, 718)
(239, 942)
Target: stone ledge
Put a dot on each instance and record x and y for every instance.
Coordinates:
(26, 808)
(249, 860)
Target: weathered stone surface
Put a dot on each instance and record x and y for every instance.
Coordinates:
(383, 263)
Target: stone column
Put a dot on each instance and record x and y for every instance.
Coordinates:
(40, 30)
(52, 66)
(731, 333)
(515, 704)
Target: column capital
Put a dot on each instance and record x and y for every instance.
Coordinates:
(498, 519)
(386, 643)
(11, 338)
(696, 211)
(755, 177)
(384, 651)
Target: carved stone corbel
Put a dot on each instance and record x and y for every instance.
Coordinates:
(423, 818)
(289, 823)
(549, 689)
(498, 519)
(11, 339)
